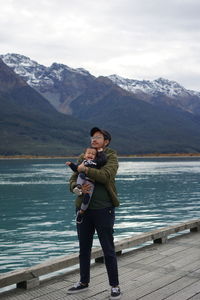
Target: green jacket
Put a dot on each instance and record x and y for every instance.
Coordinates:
(105, 175)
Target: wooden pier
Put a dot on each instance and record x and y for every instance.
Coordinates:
(168, 268)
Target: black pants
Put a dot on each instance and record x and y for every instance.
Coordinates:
(101, 220)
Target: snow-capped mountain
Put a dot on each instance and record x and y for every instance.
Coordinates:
(161, 92)
(30, 70)
(34, 73)
(144, 122)
(59, 84)
(156, 87)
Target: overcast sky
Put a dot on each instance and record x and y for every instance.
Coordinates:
(137, 39)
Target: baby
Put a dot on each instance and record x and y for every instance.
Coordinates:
(92, 159)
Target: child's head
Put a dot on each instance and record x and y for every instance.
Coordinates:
(90, 153)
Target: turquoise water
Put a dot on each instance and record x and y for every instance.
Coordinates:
(37, 209)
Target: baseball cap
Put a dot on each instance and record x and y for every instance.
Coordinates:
(105, 133)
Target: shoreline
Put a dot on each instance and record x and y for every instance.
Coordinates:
(119, 156)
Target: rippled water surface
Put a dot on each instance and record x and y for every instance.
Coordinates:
(37, 209)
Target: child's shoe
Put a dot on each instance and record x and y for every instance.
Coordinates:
(77, 190)
(79, 217)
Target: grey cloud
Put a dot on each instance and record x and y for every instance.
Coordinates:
(144, 39)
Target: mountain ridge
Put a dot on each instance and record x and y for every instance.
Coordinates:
(139, 123)
(60, 85)
(161, 92)
(31, 126)
(160, 85)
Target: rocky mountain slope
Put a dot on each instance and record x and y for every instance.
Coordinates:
(157, 120)
(30, 125)
(60, 85)
(137, 126)
(161, 92)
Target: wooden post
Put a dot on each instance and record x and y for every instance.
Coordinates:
(99, 260)
(162, 240)
(195, 229)
(28, 284)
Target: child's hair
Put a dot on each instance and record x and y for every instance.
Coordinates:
(89, 147)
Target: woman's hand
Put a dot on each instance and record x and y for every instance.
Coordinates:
(81, 168)
(86, 188)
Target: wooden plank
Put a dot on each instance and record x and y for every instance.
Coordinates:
(153, 283)
(152, 253)
(152, 278)
(187, 292)
(156, 280)
(189, 254)
(171, 289)
(155, 235)
(36, 271)
(196, 297)
(144, 278)
(69, 260)
(153, 275)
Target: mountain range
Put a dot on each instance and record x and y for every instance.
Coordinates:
(142, 116)
(29, 124)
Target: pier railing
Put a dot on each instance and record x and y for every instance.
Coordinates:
(29, 277)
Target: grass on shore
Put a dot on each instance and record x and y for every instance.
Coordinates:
(120, 156)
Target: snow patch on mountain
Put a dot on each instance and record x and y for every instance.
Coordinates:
(36, 74)
(156, 87)
(40, 76)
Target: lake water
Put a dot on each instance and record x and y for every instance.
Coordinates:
(37, 210)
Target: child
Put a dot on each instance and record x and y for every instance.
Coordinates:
(92, 159)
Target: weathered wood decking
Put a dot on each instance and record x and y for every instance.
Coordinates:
(159, 271)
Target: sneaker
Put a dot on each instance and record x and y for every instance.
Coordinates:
(79, 217)
(115, 293)
(77, 190)
(77, 288)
